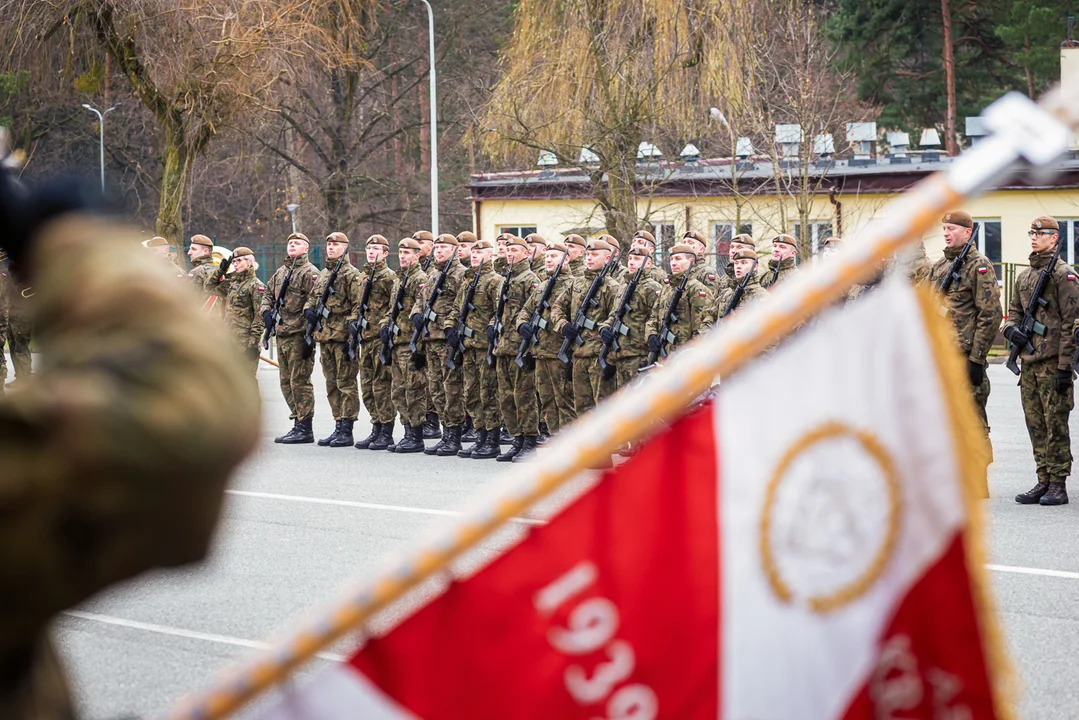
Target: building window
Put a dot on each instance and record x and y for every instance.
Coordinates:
(1069, 228)
(818, 231)
(520, 231)
(664, 234)
(989, 236)
(722, 232)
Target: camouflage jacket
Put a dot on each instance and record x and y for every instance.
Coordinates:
(920, 268)
(378, 305)
(576, 267)
(694, 310)
(538, 266)
(445, 305)
(658, 274)
(484, 302)
(778, 272)
(205, 277)
(518, 287)
(427, 262)
(706, 275)
(565, 307)
(618, 272)
(1058, 317)
(752, 292)
(640, 321)
(300, 286)
(548, 341)
(243, 307)
(343, 303)
(973, 302)
(116, 456)
(500, 265)
(414, 286)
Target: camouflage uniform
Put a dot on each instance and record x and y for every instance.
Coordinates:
(408, 383)
(658, 274)
(205, 277)
(18, 327)
(516, 386)
(115, 459)
(341, 386)
(694, 310)
(705, 275)
(552, 386)
(481, 379)
(752, 292)
(920, 268)
(295, 372)
(576, 267)
(786, 268)
(375, 378)
(973, 302)
(243, 314)
(641, 321)
(445, 387)
(1046, 409)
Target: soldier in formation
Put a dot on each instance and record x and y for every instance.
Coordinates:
(783, 261)
(408, 377)
(377, 284)
(744, 274)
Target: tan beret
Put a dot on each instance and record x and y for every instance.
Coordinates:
(695, 235)
(466, 236)
(645, 235)
(743, 239)
(377, 240)
(513, 240)
(201, 240)
(560, 247)
(423, 235)
(600, 244)
(156, 241)
(504, 237)
(785, 239)
(831, 241)
(1044, 222)
(480, 244)
(574, 239)
(640, 252)
(242, 252)
(337, 237)
(958, 217)
(408, 244)
(743, 254)
(611, 240)
(298, 236)
(535, 239)
(683, 248)
(446, 239)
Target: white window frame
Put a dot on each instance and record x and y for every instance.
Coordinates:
(1068, 236)
(815, 233)
(516, 229)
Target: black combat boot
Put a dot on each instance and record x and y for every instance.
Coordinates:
(1056, 495)
(468, 431)
(545, 433)
(504, 436)
(301, 434)
(514, 448)
(490, 448)
(344, 437)
(527, 447)
(376, 430)
(408, 434)
(481, 438)
(451, 442)
(292, 431)
(412, 442)
(1033, 495)
(385, 437)
(333, 436)
(430, 427)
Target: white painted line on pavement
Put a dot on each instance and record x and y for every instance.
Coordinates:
(1033, 571)
(189, 634)
(367, 506)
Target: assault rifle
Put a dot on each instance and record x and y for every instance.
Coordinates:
(1027, 324)
(429, 313)
(739, 291)
(356, 338)
(618, 327)
(321, 312)
(386, 356)
(580, 320)
(537, 321)
(278, 303)
(503, 298)
(456, 355)
(666, 336)
(957, 264)
(427, 262)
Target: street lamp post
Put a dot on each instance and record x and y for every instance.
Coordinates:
(434, 121)
(101, 140)
(292, 208)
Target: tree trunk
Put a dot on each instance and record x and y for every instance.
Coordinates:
(178, 156)
(951, 136)
(1030, 75)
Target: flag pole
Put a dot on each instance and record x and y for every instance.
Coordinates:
(1020, 132)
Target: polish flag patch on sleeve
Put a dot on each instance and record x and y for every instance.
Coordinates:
(983, 270)
(702, 293)
(1071, 277)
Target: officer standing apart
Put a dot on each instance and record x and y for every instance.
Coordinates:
(408, 380)
(784, 261)
(295, 369)
(203, 271)
(243, 304)
(375, 378)
(1045, 381)
(340, 372)
(972, 301)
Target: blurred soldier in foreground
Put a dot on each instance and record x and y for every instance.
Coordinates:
(116, 454)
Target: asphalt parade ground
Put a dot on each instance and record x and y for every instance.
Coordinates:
(302, 520)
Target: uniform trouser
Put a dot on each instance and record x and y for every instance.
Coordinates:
(1046, 412)
(627, 368)
(589, 387)
(341, 387)
(445, 386)
(376, 383)
(295, 376)
(517, 397)
(481, 390)
(555, 392)
(18, 338)
(981, 398)
(409, 387)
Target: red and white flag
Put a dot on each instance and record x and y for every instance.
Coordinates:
(798, 548)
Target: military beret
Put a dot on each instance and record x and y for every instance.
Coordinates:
(958, 217)
(422, 235)
(694, 235)
(466, 236)
(408, 244)
(377, 240)
(241, 252)
(600, 244)
(560, 247)
(1044, 223)
(446, 239)
(743, 239)
(574, 239)
(156, 241)
(480, 244)
(298, 236)
(640, 252)
(535, 239)
(504, 237)
(611, 240)
(743, 254)
(683, 248)
(201, 240)
(831, 241)
(514, 240)
(645, 235)
(338, 237)
(785, 239)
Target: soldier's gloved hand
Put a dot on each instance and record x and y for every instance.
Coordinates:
(653, 343)
(491, 333)
(525, 330)
(310, 315)
(267, 317)
(1016, 336)
(607, 335)
(417, 320)
(1064, 381)
(570, 331)
(452, 338)
(354, 328)
(384, 333)
(975, 372)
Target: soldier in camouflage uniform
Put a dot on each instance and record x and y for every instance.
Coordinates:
(589, 385)
(617, 271)
(1045, 382)
(744, 262)
(445, 387)
(552, 386)
(640, 322)
(480, 379)
(375, 378)
(204, 273)
(465, 242)
(295, 369)
(431, 428)
(115, 461)
(537, 247)
(500, 263)
(243, 305)
(973, 302)
(694, 309)
(784, 260)
(647, 242)
(726, 278)
(919, 267)
(163, 251)
(575, 244)
(408, 379)
(19, 327)
(702, 271)
(516, 386)
(343, 303)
